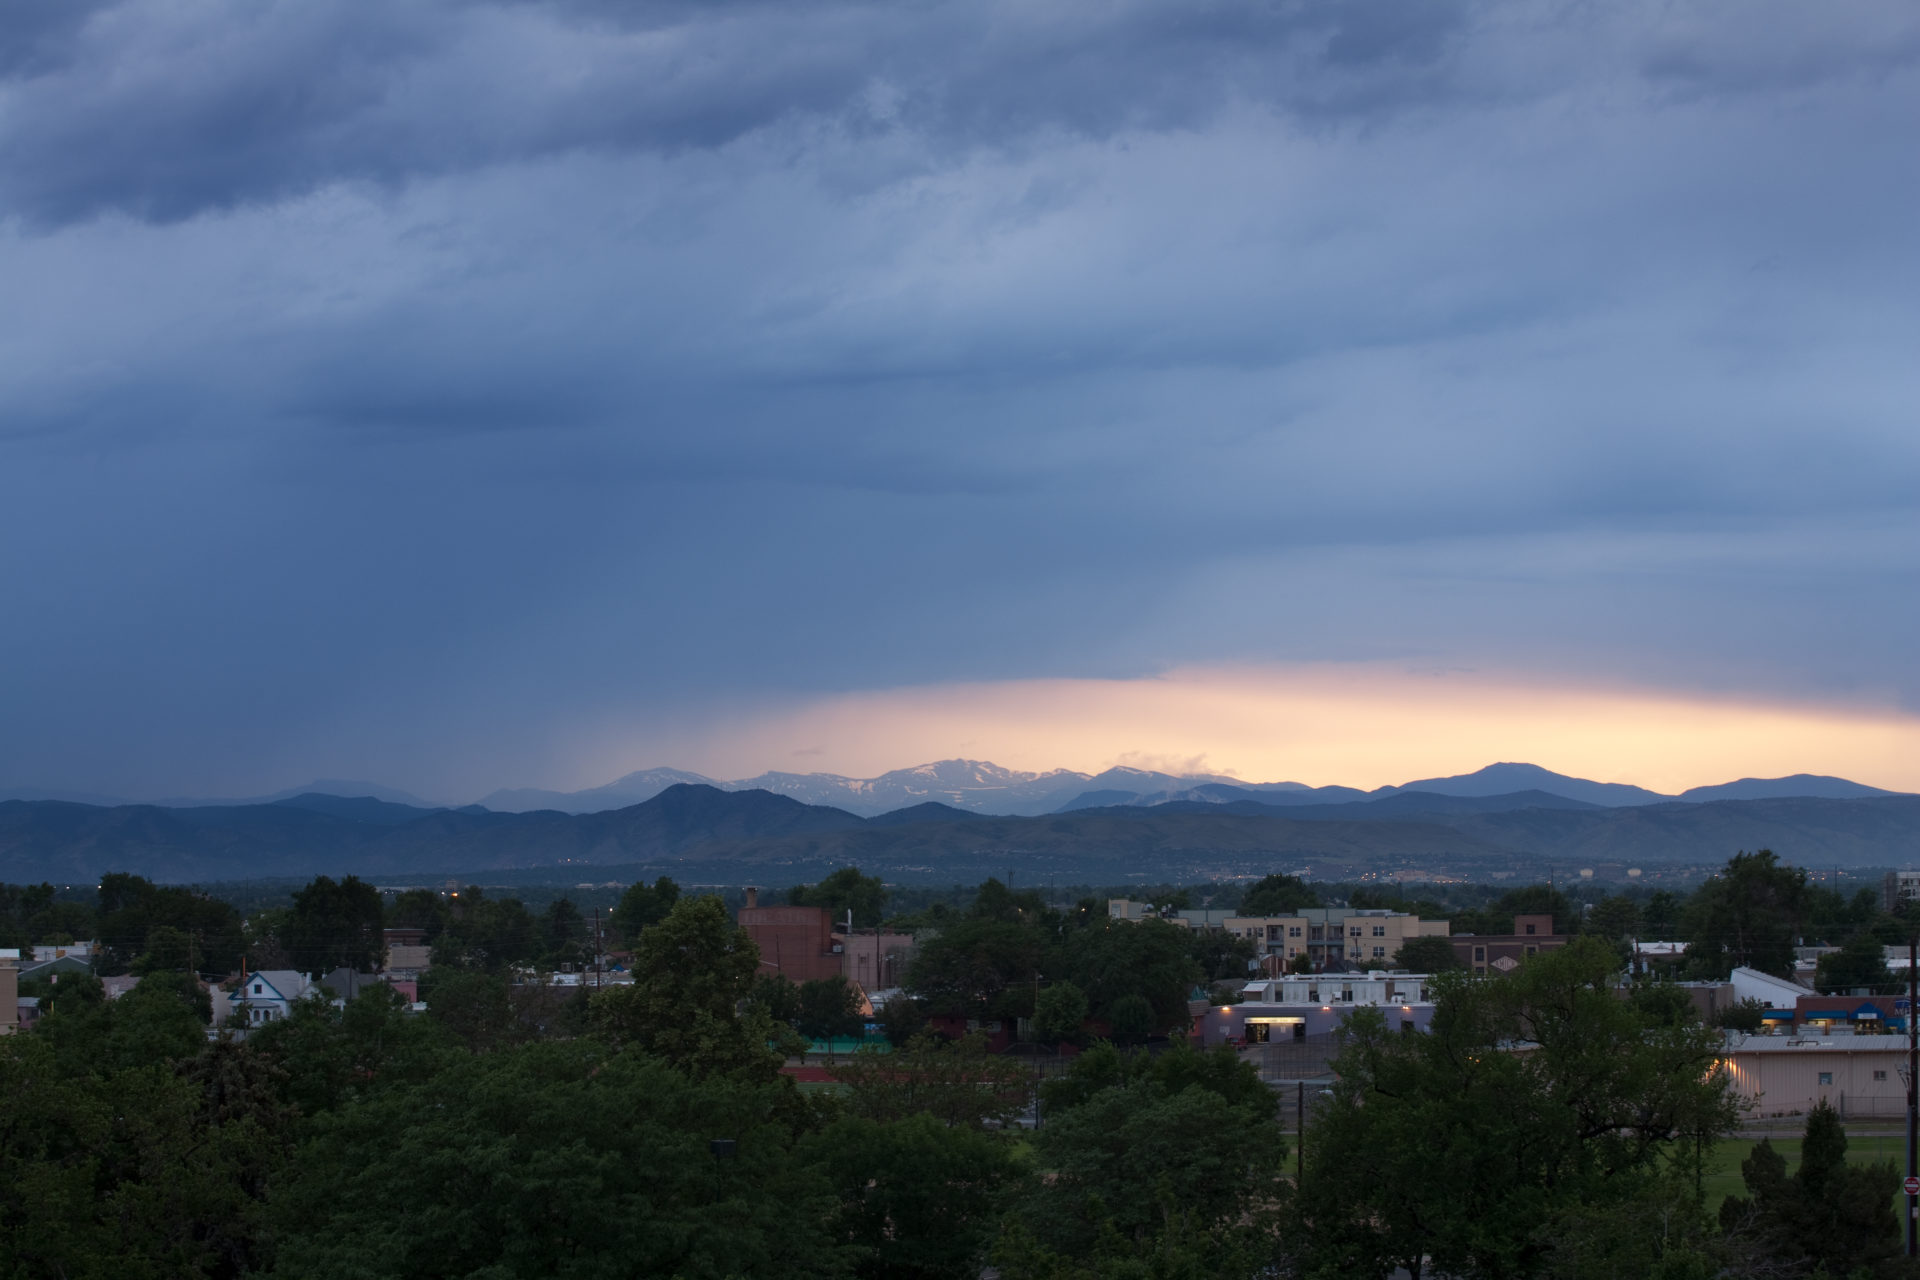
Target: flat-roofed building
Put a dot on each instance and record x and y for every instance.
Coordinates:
(1300, 1006)
(1857, 1075)
(1503, 953)
(1333, 938)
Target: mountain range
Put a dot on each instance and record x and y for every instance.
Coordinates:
(982, 787)
(978, 786)
(700, 832)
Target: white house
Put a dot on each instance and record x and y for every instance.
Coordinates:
(268, 995)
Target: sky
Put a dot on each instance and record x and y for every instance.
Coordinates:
(463, 395)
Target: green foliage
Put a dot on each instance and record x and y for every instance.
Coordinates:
(691, 972)
(1662, 1004)
(1427, 955)
(1606, 1103)
(1749, 915)
(1124, 966)
(994, 901)
(131, 909)
(487, 933)
(163, 1019)
(565, 935)
(1748, 1016)
(957, 1082)
(568, 1160)
(1829, 1214)
(1616, 917)
(1058, 1014)
(421, 909)
(35, 913)
(843, 891)
(1278, 895)
(1220, 954)
(643, 905)
(1860, 962)
(1496, 919)
(334, 924)
(136, 1173)
(778, 996)
(1130, 1018)
(1136, 1167)
(326, 1057)
(902, 1018)
(918, 1199)
(1219, 1070)
(979, 968)
(829, 1007)
(475, 1008)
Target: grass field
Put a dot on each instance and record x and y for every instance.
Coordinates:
(1723, 1167)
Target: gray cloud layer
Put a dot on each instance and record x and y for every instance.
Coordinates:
(424, 389)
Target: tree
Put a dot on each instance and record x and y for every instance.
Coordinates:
(566, 1159)
(1278, 895)
(1602, 1108)
(142, 1173)
(1749, 1016)
(1130, 1018)
(1220, 1070)
(829, 1008)
(1427, 954)
(487, 933)
(1616, 917)
(564, 931)
(161, 1020)
(957, 1082)
(421, 909)
(843, 891)
(334, 925)
(1135, 1164)
(1221, 954)
(979, 968)
(474, 1006)
(1830, 1214)
(131, 908)
(1150, 960)
(1059, 1012)
(691, 973)
(1750, 914)
(643, 905)
(918, 1199)
(1860, 962)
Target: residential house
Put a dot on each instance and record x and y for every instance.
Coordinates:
(1503, 953)
(53, 970)
(1332, 939)
(268, 995)
(54, 951)
(119, 984)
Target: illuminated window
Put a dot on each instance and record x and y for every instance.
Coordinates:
(1826, 1077)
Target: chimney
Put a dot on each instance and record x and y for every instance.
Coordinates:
(753, 897)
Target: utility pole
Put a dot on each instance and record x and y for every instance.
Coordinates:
(1300, 1137)
(1913, 1092)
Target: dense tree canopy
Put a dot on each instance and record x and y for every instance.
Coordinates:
(1751, 914)
(334, 925)
(1278, 895)
(846, 890)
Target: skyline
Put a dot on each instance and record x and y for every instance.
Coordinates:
(516, 394)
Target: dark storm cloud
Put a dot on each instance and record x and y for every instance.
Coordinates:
(161, 113)
(425, 390)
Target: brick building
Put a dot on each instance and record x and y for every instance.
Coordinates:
(1503, 953)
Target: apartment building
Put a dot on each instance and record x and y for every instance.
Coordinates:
(1333, 938)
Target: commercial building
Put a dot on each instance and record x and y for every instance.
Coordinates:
(801, 945)
(1333, 938)
(1301, 1006)
(1857, 1075)
(1503, 953)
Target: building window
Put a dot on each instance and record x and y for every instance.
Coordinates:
(1379, 951)
(1379, 931)
(1826, 1077)
(1879, 1075)
(1529, 928)
(1479, 953)
(1531, 950)
(1294, 932)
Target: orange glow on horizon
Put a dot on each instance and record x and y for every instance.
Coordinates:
(1356, 725)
